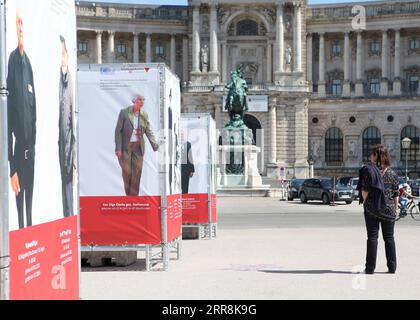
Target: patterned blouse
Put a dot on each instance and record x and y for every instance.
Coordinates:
(391, 182)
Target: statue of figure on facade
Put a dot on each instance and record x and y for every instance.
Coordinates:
(289, 55)
(205, 59)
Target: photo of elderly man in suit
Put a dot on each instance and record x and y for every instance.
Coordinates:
(187, 166)
(132, 125)
(66, 141)
(21, 107)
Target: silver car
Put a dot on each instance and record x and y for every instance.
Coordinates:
(353, 183)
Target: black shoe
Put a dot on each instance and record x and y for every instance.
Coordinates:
(391, 271)
(369, 271)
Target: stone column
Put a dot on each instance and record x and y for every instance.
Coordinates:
(148, 48)
(213, 39)
(359, 65)
(196, 39)
(397, 64)
(173, 53)
(309, 57)
(99, 47)
(269, 62)
(273, 135)
(185, 58)
(111, 46)
(385, 76)
(280, 38)
(321, 83)
(136, 48)
(301, 145)
(225, 75)
(298, 38)
(347, 67)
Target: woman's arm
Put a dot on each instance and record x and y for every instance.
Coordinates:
(365, 195)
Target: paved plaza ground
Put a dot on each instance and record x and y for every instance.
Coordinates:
(267, 249)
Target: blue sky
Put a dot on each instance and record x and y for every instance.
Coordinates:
(185, 2)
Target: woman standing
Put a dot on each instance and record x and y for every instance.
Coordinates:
(378, 185)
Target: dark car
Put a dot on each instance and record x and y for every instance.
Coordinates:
(323, 189)
(293, 189)
(415, 187)
(345, 181)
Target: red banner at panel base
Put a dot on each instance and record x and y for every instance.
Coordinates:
(196, 208)
(44, 262)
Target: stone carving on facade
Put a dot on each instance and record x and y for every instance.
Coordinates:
(223, 15)
(315, 150)
(263, 29)
(204, 54)
(231, 30)
(248, 67)
(392, 146)
(353, 149)
(205, 27)
(269, 14)
(335, 75)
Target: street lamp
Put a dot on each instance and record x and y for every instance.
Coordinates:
(311, 163)
(406, 143)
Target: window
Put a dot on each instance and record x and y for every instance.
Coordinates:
(247, 28)
(375, 86)
(334, 145)
(336, 88)
(83, 47)
(336, 49)
(375, 47)
(121, 49)
(160, 50)
(413, 153)
(413, 84)
(414, 44)
(371, 138)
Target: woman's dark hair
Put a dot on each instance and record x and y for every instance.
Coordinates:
(384, 160)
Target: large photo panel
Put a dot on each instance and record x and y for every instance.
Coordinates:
(42, 141)
(173, 155)
(120, 128)
(196, 168)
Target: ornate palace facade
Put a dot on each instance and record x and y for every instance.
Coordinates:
(326, 82)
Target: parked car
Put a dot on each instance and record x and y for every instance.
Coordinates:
(293, 189)
(323, 189)
(345, 181)
(353, 183)
(415, 187)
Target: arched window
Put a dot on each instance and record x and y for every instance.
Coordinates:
(334, 145)
(371, 138)
(413, 153)
(247, 27)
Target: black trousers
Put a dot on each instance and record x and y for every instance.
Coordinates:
(26, 183)
(185, 182)
(373, 224)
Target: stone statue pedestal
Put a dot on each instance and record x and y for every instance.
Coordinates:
(248, 183)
